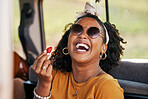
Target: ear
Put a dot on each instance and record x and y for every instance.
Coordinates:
(103, 48)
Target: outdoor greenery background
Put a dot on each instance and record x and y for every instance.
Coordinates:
(129, 16)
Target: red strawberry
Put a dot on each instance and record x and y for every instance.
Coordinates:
(49, 49)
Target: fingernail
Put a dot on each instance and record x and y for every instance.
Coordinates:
(45, 51)
(48, 54)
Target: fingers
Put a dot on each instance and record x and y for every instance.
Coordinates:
(43, 60)
(45, 66)
(49, 69)
(38, 58)
(42, 65)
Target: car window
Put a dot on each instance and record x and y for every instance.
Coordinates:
(58, 13)
(15, 24)
(131, 18)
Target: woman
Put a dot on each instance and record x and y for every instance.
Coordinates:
(78, 67)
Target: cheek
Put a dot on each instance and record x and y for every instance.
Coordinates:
(97, 45)
(70, 42)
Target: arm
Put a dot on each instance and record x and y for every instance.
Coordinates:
(43, 68)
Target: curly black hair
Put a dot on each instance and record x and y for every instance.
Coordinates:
(63, 62)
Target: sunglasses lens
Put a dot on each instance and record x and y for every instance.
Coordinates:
(93, 32)
(76, 29)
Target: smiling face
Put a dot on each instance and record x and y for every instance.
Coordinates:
(83, 48)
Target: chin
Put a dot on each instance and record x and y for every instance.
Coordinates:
(81, 59)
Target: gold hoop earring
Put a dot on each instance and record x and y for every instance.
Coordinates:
(65, 51)
(103, 56)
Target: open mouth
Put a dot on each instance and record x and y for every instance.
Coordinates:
(82, 47)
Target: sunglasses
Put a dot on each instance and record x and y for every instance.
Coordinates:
(92, 32)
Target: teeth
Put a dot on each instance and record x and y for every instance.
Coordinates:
(83, 45)
(81, 50)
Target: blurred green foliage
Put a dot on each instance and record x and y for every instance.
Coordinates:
(130, 16)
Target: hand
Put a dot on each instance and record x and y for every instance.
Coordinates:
(43, 68)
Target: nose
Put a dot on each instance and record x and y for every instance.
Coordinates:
(83, 35)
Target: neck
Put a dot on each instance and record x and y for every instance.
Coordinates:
(82, 72)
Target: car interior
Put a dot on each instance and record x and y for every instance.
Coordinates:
(132, 74)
